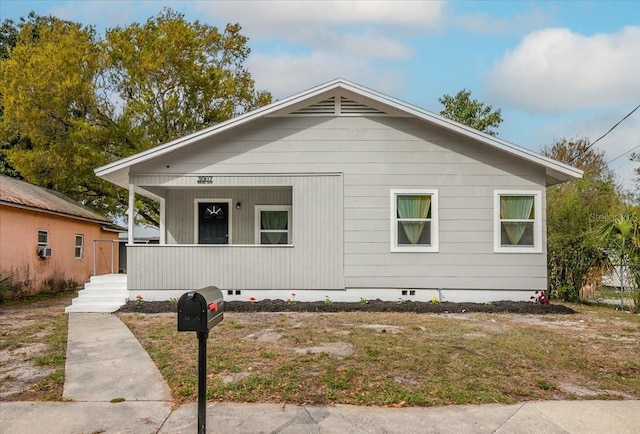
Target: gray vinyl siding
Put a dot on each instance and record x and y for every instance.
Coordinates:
(375, 155)
(314, 261)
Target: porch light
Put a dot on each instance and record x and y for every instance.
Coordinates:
(238, 205)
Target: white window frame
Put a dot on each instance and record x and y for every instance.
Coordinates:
(537, 222)
(76, 246)
(43, 243)
(434, 247)
(257, 219)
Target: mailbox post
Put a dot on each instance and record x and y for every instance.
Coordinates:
(199, 311)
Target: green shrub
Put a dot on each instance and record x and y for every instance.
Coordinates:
(566, 293)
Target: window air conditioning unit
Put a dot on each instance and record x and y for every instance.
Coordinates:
(44, 251)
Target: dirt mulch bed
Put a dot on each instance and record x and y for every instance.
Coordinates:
(521, 307)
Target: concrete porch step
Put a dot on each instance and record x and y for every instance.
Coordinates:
(105, 293)
(113, 278)
(93, 308)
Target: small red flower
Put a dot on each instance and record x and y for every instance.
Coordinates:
(252, 299)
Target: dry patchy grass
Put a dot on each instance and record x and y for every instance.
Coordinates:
(33, 348)
(401, 359)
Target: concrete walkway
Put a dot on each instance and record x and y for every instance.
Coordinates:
(105, 362)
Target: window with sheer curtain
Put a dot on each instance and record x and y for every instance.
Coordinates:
(518, 227)
(273, 223)
(414, 221)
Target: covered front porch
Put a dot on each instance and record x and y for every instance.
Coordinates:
(259, 233)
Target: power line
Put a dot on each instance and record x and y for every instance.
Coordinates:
(623, 154)
(604, 135)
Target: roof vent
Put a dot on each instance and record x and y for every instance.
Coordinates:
(350, 107)
(343, 106)
(326, 107)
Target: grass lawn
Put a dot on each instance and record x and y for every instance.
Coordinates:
(399, 359)
(33, 345)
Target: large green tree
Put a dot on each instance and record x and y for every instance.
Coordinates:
(175, 77)
(461, 108)
(575, 213)
(49, 105)
(9, 31)
(73, 101)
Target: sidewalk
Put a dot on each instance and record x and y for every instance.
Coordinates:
(105, 362)
(575, 417)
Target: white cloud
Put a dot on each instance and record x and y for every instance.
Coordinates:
(317, 41)
(93, 12)
(517, 24)
(284, 74)
(367, 29)
(553, 70)
(370, 46)
(617, 143)
(106, 14)
(281, 17)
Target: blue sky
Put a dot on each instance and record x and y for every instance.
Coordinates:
(557, 69)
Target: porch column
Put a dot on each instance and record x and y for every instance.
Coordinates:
(131, 212)
(163, 238)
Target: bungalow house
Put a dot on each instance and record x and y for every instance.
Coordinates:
(49, 241)
(344, 192)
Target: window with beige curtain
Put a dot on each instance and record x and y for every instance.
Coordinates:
(413, 212)
(517, 219)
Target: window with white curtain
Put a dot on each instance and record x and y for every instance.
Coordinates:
(414, 220)
(518, 221)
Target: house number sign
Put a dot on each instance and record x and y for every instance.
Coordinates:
(205, 180)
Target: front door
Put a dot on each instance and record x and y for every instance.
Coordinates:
(213, 223)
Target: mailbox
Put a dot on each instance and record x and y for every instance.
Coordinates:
(200, 310)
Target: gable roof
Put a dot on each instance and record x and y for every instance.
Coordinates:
(318, 101)
(20, 194)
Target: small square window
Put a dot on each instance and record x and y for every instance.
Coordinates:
(43, 238)
(273, 224)
(79, 246)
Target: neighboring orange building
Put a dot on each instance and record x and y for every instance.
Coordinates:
(48, 240)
